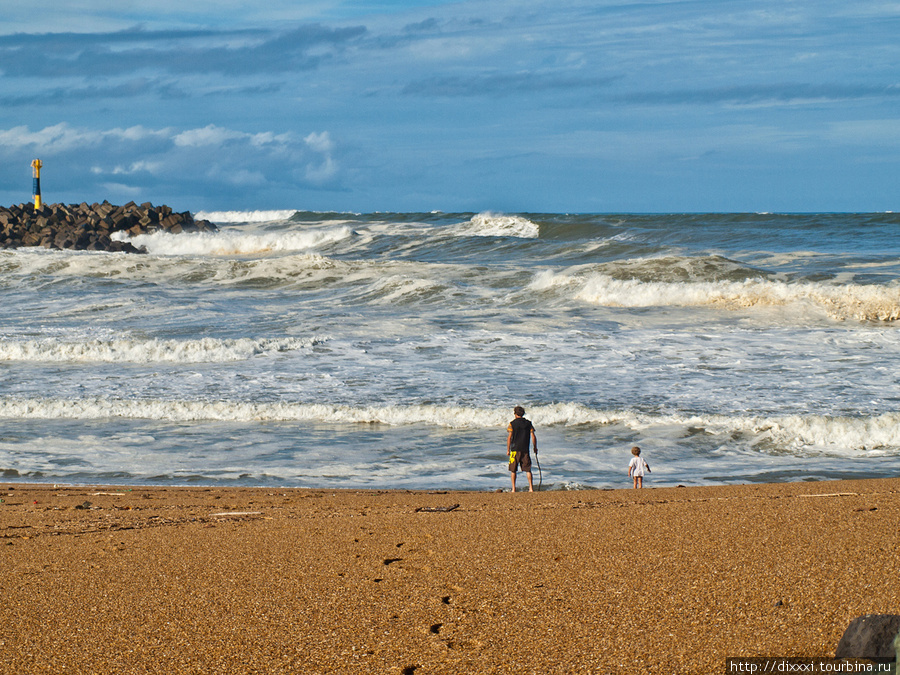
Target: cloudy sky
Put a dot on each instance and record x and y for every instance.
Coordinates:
(419, 105)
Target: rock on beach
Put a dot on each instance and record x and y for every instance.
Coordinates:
(88, 227)
(869, 637)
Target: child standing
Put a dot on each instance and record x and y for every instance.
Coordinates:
(636, 467)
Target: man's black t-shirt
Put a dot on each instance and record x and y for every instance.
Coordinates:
(521, 434)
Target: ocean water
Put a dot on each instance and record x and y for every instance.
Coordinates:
(387, 350)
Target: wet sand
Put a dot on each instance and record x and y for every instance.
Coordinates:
(661, 580)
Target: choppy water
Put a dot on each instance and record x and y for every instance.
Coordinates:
(387, 350)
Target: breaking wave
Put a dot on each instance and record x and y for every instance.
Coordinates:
(237, 243)
(801, 435)
(204, 350)
(243, 216)
(839, 301)
(498, 225)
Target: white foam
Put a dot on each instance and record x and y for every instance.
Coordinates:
(243, 216)
(454, 417)
(236, 243)
(372, 281)
(805, 435)
(204, 350)
(813, 434)
(394, 289)
(839, 301)
(498, 225)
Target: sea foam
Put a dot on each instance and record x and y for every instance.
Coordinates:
(840, 301)
(237, 242)
(498, 225)
(203, 350)
(244, 216)
(806, 435)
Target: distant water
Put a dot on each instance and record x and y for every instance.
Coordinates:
(387, 350)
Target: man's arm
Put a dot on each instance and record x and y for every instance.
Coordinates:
(533, 440)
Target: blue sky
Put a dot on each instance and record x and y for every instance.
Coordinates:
(507, 105)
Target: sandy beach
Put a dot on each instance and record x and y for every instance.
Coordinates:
(661, 580)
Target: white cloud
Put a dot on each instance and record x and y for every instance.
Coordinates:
(319, 174)
(56, 138)
(139, 167)
(326, 169)
(62, 137)
(268, 138)
(98, 15)
(144, 163)
(139, 133)
(208, 135)
(320, 142)
(215, 135)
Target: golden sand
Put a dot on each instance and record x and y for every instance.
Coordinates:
(663, 580)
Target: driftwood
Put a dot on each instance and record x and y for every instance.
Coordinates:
(436, 509)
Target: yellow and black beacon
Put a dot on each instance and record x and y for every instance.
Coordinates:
(36, 165)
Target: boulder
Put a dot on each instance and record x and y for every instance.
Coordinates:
(870, 637)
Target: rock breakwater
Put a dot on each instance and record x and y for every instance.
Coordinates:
(90, 227)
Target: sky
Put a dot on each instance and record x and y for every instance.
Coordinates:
(581, 106)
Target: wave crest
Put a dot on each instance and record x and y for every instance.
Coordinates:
(839, 301)
(236, 243)
(802, 435)
(863, 303)
(205, 350)
(498, 225)
(243, 216)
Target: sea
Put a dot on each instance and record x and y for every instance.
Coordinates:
(387, 351)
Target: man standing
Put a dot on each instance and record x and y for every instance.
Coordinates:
(521, 433)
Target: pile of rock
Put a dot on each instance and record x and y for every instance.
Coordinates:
(88, 226)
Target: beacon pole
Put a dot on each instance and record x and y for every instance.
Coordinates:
(36, 165)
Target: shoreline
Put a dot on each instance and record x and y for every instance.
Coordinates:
(260, 579)
(501, 486)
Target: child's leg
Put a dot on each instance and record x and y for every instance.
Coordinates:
(640, 481)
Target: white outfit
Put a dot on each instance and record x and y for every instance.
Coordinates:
(636, 466)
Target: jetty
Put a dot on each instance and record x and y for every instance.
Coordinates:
(89, 227)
